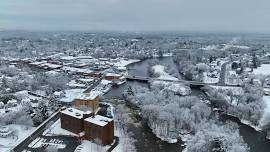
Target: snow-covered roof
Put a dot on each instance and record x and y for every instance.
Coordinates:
(50, 65)
(113, 75)
(121, 68)
(99, 120)
(84, 57)
(89, 96)
(58, 93)
(75, 112)
(105, 82)
(72, 69)
(38, 63)
(68, 58)
(52, 72)
(86, 79)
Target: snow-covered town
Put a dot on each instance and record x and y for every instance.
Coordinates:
(134, 76)
(80, 99)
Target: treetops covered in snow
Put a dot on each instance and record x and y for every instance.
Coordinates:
(246, 103)
(170, 115)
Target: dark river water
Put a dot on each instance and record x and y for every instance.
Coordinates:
(148, 142)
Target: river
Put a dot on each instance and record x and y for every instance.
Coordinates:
(148, 142)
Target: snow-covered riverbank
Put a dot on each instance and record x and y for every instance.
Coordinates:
(162, 74)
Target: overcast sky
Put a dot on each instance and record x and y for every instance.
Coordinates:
(137, 15)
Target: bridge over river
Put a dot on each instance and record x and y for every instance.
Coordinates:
(194, 83)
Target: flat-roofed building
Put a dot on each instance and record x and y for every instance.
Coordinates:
(73, 119)
(90, 100)
(99, 128)
(112, 76)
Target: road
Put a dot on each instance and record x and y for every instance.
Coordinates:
(88, 90)
(71, 142)
(222, 74)
(194, 83)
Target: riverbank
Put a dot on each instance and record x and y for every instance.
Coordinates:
(140, 69)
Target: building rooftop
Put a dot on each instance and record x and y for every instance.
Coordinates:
(89, 96)
(113, 75)
(75, 112)
(98, 120)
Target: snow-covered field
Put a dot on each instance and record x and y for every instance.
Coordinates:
(20, 132)
(160, 70)
(264, 69)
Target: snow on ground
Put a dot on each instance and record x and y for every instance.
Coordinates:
(10, 109)
(123, 62)
(88, 146)
(40, 142)
(71, 94)
(176, 88)
(207, 79)
(120, 146)
(20, 133)
(227, 46)
(224, 47)
(264, 69)
(25, 96)
(74, 84)
(160, 70)
(168, 54)
(210, 47)
(56, 129)
(235, 90)
(265, 118)
(216, 67)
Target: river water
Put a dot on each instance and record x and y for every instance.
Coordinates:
(148, 142)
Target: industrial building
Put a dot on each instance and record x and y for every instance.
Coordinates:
(88, 125)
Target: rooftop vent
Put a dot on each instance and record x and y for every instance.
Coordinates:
(104, 120)
(70, 110)
(77, 114)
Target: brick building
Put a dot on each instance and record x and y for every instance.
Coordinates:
(87, 126)
(112, 76)
(99, 127)
(73, 119)
(90, 100)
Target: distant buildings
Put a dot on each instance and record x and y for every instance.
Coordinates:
(112, 76)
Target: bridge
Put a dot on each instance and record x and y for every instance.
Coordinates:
(194, 83)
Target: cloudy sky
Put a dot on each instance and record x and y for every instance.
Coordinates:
(137, 15)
